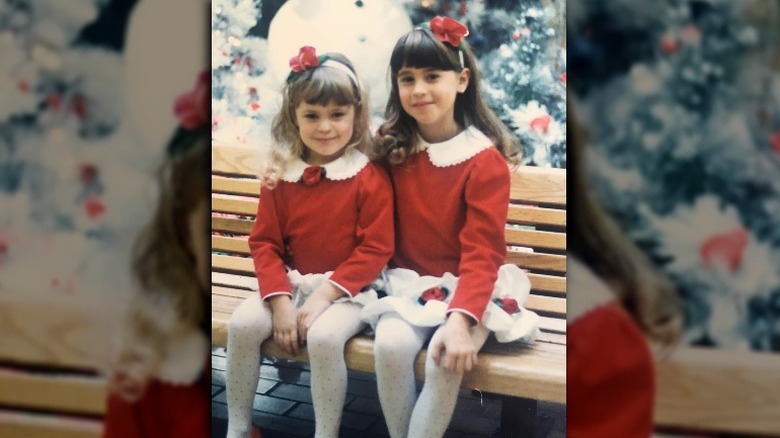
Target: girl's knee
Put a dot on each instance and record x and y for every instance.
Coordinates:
(323, 341)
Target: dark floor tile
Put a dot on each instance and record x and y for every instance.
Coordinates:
(263, 403)
(349, 420)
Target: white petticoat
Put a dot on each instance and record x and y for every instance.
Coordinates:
(303, 285)
(405, 287)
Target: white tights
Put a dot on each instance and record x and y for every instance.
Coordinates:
(250, 325)
(395, 348)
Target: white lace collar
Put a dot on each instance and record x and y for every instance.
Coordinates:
(586, 291)
(344, 167)
(458, 149)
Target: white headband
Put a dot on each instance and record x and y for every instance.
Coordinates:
(337, 65)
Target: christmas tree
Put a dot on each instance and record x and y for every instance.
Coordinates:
(519, 46)
(69, 196)
(677, 101)
(237, 66)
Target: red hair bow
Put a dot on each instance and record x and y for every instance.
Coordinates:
(448, 30)
(306, 57)
(192, 108)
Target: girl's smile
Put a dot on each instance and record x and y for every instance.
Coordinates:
(325, 130)
(428, 95)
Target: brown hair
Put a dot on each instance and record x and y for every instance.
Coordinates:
(316, 86)
(163, 260)
(594, 237)
(419, 48)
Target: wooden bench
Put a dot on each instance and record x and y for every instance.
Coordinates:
(520, 373)
(48, 384)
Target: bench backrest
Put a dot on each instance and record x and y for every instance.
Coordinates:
(535, 234)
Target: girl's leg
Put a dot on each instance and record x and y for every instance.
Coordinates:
(249, 326)
(325, 343)
(395, 348)
(434, 408)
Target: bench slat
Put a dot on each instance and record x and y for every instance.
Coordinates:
(29, 425)
(536, 239)
(719, 390)
(72, 394)
(537, 261)
(224, 204)
(528, 215)
(231, 225)
(235, 160)
(235, 186)
(539, 185)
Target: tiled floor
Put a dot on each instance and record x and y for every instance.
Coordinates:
(283, 407)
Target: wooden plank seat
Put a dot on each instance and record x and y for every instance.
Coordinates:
(49, 386)
(537, 242)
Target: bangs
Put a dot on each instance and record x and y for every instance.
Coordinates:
(420, 49)
(323, 87)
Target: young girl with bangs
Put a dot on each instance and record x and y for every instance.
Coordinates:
(449, 157)
(322, 235)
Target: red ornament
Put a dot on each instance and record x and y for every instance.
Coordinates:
(94, 207)
(54, 101)
(87, 173)
(306, 57)
(448, 30)
(434, 293)
(690, 34)
(509, 305)
(252, 91)
(775, 141)
(541, 123)
(80, 106)
(255, 106)
(669, 44)
(312, 175)
(563, 77)
(193, 107)
(515, 35)
(728, 247)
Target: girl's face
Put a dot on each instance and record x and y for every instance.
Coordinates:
(428, 95)
(325, 130)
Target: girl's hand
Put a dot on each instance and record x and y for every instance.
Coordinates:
(319, 300)
(130, 376)
(454, 339)
(284, 324)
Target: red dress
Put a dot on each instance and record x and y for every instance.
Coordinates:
(339, 218)
(451, 207)
(177, 401)
(165, 411)
(610, 377)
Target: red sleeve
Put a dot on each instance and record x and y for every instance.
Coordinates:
(610, 385)
(267, 247)
(375, 232)
(482, 239)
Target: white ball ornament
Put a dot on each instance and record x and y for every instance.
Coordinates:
(365, 31)
(165, 49)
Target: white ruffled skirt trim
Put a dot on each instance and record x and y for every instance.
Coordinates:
(303, 285)
(405, 288)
